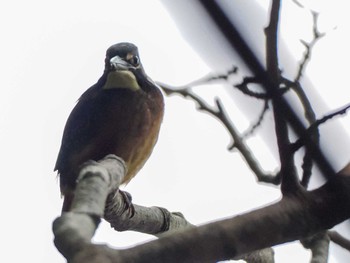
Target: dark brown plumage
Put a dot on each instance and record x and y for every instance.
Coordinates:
(121, 114)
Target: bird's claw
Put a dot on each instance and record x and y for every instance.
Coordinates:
(128, 206)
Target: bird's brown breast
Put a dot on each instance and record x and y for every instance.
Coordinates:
(118, 121)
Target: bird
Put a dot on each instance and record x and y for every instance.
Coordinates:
(120, 114)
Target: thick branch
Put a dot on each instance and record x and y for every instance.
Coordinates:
(287, 220)
(73, 230)
(159, 219)
(266, 255)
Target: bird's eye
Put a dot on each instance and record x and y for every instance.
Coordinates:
(135, 61)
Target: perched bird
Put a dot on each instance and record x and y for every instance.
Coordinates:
(121, 114)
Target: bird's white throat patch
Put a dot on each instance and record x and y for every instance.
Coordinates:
(121, 79)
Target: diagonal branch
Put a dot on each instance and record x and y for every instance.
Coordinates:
(317, 35)
(287, 220)
(237, 140)
(339, 240)
(238, 43)
(302, 140)
(255, 125)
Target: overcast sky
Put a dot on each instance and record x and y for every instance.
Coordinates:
(52, 51)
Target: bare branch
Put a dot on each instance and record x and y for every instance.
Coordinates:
(74, 229)
(214, 77)
(243, 87)
(308, 110)
(319, 246)
(290, 183)
(339, 240)
(309, 46)
(237, 140)
(284, 221)
(301, 141)
(261, 256)
(258, 122)
(159, 219)
(298, 3)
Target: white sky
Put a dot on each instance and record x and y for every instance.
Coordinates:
(52, 51)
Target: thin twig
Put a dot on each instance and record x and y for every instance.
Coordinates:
(243, 87)
(257, 124)
(214, 77)
(298, 3)
(301, 141)
(237, 140)
(317, 35)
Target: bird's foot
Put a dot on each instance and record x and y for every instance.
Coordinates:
(128, 206)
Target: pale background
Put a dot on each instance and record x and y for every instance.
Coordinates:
(51, 51)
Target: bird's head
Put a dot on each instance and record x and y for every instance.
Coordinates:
(123, 67)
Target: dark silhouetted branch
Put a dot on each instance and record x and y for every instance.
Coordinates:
(317, 35)
(259, 121)
(237, 141)
(289, 183)
(339, 240)
(266, 255)
(244, 88)
(301, 141)
(308, 110)
(319, 246)
(237, 42)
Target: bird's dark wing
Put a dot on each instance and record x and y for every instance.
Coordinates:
(78, 131)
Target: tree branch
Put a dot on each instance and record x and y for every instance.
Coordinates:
(237, 141)
(289, 184)
(243, 87)
(319, 246)
(259, 121)
(159, 219)
(302, 140)
(73, 230)
(317, 35)
(287, 220)
(308, 110)
(339, 240)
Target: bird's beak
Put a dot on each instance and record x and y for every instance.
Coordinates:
(117, 63)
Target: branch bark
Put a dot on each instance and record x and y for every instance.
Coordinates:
(292, 218)
(73, 230)
(287, 220)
